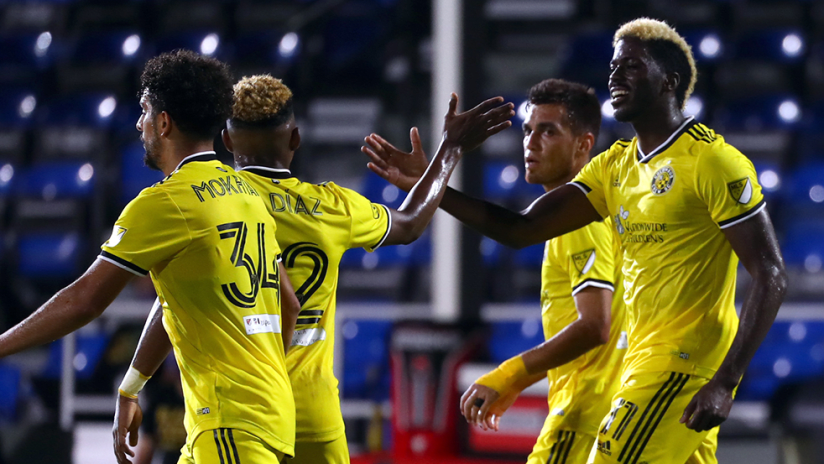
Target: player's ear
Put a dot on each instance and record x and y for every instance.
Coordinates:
(294, 139)
(672, 80)
(164, 124)
(227, 140)
(585, 143)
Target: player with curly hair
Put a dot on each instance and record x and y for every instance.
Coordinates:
(686, 206)
(317, 223)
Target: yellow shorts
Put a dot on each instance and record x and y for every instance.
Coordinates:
(644, 426)
(230, 446)
(561, 447)
(325, 452)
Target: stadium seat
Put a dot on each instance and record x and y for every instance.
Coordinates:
(9, 391)
(89, 351)
(100, 61)
(75, 126)
(207, 42)
(22, 57)
(43, 256)
(775, 45)
(365, 358)
(509, 338)
(502, 180)
(16, 108)
(802, 245)
(771, 178)
(134, 174)
(56, 180)
(779, 111)
(587, 58)
(811, 138)
(805, 188)
(381, 191)
(259, 48)
(530, 257)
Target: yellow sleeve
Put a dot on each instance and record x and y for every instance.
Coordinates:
(591, 181)
(727, 183)
(370, 222)
(151, 229)
(590, 258)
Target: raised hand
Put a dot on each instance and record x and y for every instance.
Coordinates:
(397, 167)
(472, 127)
(127, 419)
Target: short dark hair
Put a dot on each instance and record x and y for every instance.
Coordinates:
(580, 102)
(195, 90)
(672, 59)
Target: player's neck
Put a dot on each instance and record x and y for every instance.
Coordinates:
(655, 127)
(181, 151)
(270, 161)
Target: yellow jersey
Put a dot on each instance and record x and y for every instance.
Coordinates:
(209, 244)
(669, 208)
(580, 392)
(316, 225)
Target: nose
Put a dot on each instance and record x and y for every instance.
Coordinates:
(138, 124)
(531, 141)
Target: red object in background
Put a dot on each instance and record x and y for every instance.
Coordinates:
(518, 431)
(425, 360)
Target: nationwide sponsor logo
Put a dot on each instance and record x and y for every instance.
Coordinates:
(584, 260)
(117, 235)
(622, 216)
(638, 232)
(741, 190)
(662, 180)
(604, 447)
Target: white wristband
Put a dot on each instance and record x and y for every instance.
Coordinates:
(133, 383)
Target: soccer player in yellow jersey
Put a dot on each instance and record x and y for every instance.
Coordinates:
(687, 206)
(581, 304)
(209, 245)
(317, 223)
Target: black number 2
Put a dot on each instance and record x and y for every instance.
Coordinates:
(259, 275)
(320, 265)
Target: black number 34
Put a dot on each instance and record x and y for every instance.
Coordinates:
(260, 274)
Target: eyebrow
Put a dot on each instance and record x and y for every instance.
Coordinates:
(542, 125)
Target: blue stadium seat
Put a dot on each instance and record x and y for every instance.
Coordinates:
(771, 178)
(365, 358)
(106, 48)
(49, 255)
(134, 174)
(587, 58)
(707, 45)
(530, 257)
(259, 47)
(778, 111)
(20, 50)
(55, 180)
(509, 338)
(9, 391)
(802, 241)
(348, 37)
(192, 40)
(381, 191)
(89, 350)
(502, 180)
(90, 109)
(16, 107)
(811, 138)
(805, 187)
(777, 45)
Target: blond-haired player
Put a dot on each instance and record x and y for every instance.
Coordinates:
(317, 223)
(686, 206)
(581, 306)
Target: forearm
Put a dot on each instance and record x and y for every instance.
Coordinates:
(67, 311)
(154, 345)
(573, 341)
(411, 219)
(553, 214)
(290, 309)
(758, 312)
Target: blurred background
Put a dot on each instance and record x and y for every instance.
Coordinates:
(417, 323)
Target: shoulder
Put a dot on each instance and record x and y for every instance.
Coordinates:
(711, 149)
(620, 149)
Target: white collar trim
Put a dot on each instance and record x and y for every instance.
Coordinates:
(676, 133)
(200, 153)
(264, 168)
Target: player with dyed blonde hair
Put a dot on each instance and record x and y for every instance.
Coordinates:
(686, 206)
(317, 223)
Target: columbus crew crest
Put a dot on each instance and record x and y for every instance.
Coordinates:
(584, 260)
(662, 180)
(741, 190)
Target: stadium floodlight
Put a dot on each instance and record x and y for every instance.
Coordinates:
(798, 331)
(209, 44)
(509, 175)
(288, 44)
(607, 110)
(792, 45)
(41, 46)
(106, 107)
(6, 173)
(522, 110)
(85, 173)
(770, 180)
(812, 263)
(131, 45)
(27, 106)
(710, 46)
(817, 193)
(782, 367)
(789, 111)
(694, 107)
(390, 193)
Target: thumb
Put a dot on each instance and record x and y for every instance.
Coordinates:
(134, 428)
(453, 103)
(415, 137)
(688, 412)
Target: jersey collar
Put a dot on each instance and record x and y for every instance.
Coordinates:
(272, 173)
(642, 158)
(200, 156)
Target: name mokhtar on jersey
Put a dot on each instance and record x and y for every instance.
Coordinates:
(229, 185)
